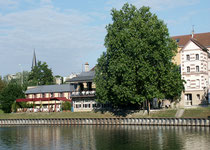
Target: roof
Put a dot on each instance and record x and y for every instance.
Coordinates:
(51, 89)
(83, 76)
(199, 44)
(203, 38)
(93, 69)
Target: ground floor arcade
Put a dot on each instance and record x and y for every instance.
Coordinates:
(42, 104)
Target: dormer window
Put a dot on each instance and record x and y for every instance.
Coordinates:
(197, 56)
(177, 40)
(188, 57)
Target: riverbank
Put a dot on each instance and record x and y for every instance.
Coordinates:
(201, 112)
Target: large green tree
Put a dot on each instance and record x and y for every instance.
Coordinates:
(9, 94)
(137, 65)
(41, 75)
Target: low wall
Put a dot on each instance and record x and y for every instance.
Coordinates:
(110, 121)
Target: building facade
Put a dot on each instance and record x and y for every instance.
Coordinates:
(47, 98)
(193, 58)
(83, 96)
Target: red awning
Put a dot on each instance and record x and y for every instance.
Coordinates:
(42, 99)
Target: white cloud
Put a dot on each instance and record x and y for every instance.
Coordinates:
(8, 4)
(64, 40)
(45, 2)
(154, 4)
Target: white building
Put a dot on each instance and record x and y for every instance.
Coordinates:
(195, 70)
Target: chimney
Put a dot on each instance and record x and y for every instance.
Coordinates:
(193, 31)
(86, 67)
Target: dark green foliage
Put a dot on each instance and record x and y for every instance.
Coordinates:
(66, 106)
(41, 75)
(2, 84)
(8, 96)
(137, 65)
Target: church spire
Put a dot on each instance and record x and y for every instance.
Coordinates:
(34, 60)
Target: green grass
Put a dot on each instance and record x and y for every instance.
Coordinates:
(1, 112)
(158, 114)
(55, 115)
(169, 113)
(201, 112)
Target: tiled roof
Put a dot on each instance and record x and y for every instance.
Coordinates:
(203, 38)
(199, 44)
(84, 76)
(51, 89)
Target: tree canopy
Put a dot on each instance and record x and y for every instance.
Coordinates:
(41, 75)
(137, 65)
(2, 84)
(9, 94)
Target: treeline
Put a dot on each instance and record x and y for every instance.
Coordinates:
(12, 89)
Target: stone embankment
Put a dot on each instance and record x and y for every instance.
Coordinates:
(110, 121)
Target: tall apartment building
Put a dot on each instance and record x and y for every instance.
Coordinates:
(193, 58)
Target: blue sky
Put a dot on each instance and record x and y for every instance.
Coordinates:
(68, 33)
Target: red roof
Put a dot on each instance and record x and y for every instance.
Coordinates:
(203, 38)
(42, 99)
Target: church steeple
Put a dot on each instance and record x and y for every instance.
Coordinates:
(34, 60)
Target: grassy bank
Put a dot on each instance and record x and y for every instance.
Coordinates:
(167, 113)
(201, 112)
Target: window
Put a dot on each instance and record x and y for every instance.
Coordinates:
(86, 105)
(177, 40)
(43, 95)
(188, 96)
(34, 95)
(198, 96)
(197, 68)
(81, 86)
(78, 105)
(61, 94)
(94, 105)
(51, 94)
(89, 85)
(188, 69)
(198, 83)
(188, 83)
(188, 57)
(197, 56)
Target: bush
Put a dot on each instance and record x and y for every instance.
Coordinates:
(66, 106)
(15, 106)
(9, 95)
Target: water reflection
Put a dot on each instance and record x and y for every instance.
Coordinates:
(104, 137)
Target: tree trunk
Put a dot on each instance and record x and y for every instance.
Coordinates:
(148, 107)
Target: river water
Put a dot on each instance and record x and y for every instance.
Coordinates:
(104, 138)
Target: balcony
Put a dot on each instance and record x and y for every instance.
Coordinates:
(83, 94)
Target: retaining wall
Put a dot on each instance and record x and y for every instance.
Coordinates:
(110, 121)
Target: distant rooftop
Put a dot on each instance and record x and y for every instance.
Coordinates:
(83, 76)
(203, 38)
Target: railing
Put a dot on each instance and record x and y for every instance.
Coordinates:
(83, 93)
(110, 121)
